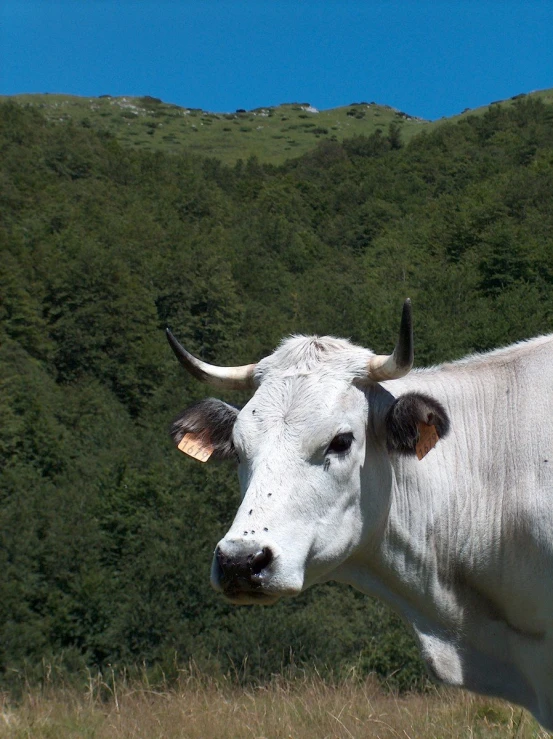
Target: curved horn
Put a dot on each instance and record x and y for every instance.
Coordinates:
(391, 367)
(235, 378)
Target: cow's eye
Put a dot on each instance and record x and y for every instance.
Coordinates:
(340, 443)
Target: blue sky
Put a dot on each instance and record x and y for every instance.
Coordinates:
(425, 58)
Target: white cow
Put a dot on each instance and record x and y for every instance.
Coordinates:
(459, 542)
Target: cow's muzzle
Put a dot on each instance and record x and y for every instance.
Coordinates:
(241, 573)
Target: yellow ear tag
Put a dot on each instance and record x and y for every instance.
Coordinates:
(428, 438)
(195, 447)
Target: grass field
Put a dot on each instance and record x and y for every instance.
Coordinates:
(304, 708)
(273, 134)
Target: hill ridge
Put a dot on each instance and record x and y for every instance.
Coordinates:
(272, 133)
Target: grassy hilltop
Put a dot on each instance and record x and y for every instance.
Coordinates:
(273, 133)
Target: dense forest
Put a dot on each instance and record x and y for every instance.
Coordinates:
(106, 530)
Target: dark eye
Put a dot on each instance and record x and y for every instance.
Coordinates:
(340, 443)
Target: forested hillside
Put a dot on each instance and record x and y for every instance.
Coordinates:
(106, 530)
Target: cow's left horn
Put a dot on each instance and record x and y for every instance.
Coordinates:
(235, 378)
(391, 367)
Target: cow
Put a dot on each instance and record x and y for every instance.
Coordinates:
(431, 489)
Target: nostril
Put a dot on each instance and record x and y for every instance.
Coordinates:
(261, 560)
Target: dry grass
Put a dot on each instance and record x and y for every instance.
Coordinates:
(302, 709)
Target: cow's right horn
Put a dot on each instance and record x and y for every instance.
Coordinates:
(393, 366)
(234, 378)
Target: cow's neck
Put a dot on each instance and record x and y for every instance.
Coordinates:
(444, 538)
(448, 555)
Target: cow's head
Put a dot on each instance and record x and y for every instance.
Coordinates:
(312, 447)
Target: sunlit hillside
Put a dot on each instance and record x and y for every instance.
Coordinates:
(272, 133)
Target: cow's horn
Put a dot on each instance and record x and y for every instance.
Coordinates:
(391, 367)
(235, 378)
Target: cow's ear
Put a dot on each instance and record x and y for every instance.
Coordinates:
(414, 423)
(204, 430)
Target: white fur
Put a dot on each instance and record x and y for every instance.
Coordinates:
(460, 543)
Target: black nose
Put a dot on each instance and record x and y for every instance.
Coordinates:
(242, 571)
